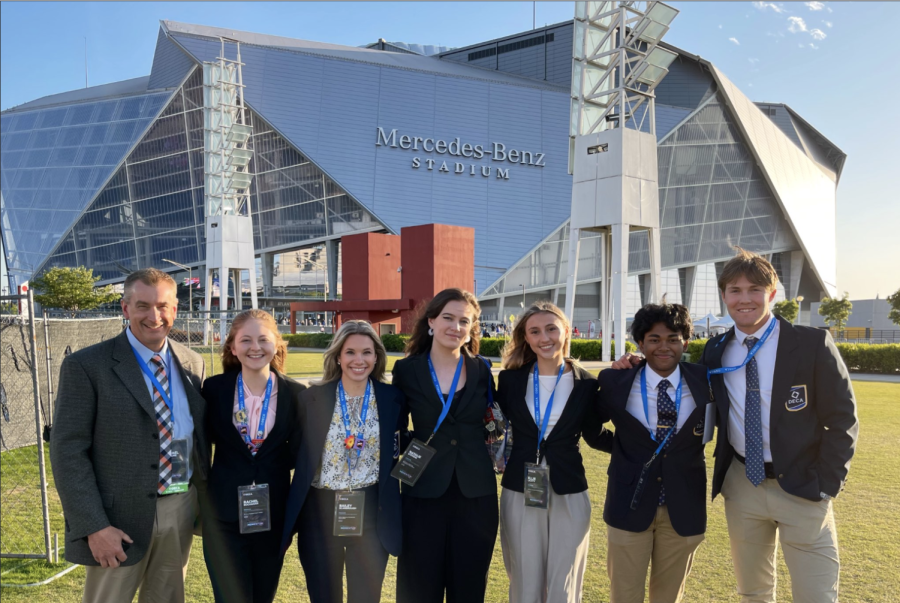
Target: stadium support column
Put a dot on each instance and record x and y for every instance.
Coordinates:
(572, 271)
(331, 265)
(619, 282)
(267, 263)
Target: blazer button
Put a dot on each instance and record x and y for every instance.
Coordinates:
(659, 479)
(154, 466)
(155, 435)
(453, 442)
(781, 476)
(151, 495)
(665, 456)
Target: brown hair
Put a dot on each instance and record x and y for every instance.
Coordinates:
(230, 361)
(150, 277)
(517, 353)
(420, 341)
(331, 366)
(756, 268)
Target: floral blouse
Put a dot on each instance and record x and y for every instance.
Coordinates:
(332, 473)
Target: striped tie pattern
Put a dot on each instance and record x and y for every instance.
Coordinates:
(755, 464)
(163, 422)
(666, 419)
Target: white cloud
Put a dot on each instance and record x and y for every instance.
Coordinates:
(814, 5)
(753, 61)
(800, 46)
(827, 24)
(813, 46)
(817, 34)
(720, 26)
(735, 40)
(769, 5)
(797, 24)
(749, 85)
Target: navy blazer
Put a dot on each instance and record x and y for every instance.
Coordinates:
(316, 411)
(681, 467)
(579, 419)
(812, 443)
(233, 464)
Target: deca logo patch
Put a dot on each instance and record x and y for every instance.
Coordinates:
(798, 399)
(698, 429)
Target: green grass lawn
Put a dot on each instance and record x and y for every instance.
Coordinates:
(866, 514)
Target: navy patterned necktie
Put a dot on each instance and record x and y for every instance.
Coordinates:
(164, 422)
(666, 420)
(753, 443)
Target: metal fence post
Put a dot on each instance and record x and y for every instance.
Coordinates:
(39, 428)
(50, 398)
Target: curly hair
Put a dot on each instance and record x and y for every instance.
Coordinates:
(331, 359)
(517, 353)
(675, 316)
(420, 341)
(230, 361)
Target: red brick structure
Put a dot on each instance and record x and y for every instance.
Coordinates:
(385, 277)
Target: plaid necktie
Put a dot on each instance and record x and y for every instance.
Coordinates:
(753, 444)
(666, 420)
(164, 422)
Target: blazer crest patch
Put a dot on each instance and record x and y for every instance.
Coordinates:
(798, 399)
(698, 429)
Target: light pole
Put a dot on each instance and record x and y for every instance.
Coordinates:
(523, 296)
(798, 299)
(190, 295)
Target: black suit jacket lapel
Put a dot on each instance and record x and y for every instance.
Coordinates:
(700, 392)
(473, 376)
(572, 410)
(195, 401)
(320, 416)
(423, 376)
(713, 361)
(129, 371)
(282, 417)
(225, 412)
(786, 360)
(624, 382)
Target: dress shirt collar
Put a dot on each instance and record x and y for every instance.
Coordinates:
(146, 353)
(740, 336)
(653, 378)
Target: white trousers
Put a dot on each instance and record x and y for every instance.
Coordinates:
(545, 550)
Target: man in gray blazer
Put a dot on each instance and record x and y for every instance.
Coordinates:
(129, 451)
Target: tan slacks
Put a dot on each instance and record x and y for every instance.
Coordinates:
(758, 517)
(160, 574)
(545, 550)
(668, 555)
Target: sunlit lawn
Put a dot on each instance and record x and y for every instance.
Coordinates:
(866, 514)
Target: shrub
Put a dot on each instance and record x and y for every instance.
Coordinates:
(695, 349)
(309, 340)
(582, 349)
(394, 343)
(871, 357)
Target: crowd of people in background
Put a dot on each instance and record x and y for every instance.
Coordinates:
(356, 467)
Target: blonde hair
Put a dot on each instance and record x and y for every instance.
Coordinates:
(756, 268)
(230, 362)
(331, 359)
(517, 353)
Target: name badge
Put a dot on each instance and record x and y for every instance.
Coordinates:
(709, 423)
(253, 503)
(349, 506)
(537, 486)
(413, 462)
(798, 399)
(180, 458)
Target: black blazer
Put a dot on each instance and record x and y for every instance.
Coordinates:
(460, 440)
(233, 464)
(579, 419)
(811, 446)
(316, 412)
(681, 468)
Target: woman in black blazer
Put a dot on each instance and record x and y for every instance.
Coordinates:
(250, 450)
(545, 546)
(341, 451)
(450, 515)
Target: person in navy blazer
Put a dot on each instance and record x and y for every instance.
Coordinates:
(246, 567)
(669, 521)
(355, 358)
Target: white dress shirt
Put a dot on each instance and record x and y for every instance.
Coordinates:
(563, 391)
(736, 384)
(635, 404)
(181, 412)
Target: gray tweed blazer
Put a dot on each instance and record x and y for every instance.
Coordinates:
(104, 445)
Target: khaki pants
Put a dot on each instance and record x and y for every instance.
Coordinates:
(160, 574)
(545, 550)
(668, 555)
(758, 518)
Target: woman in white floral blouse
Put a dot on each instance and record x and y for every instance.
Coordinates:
(343, 503)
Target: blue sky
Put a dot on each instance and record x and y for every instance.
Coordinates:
(817, 57)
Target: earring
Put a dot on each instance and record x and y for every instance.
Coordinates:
(468, 339)
(339, 363)
(431, 332)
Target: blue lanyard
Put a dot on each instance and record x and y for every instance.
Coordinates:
(647, 413)
(449, 399)
(750, 354)
(537, 404)
(166, 396)
(243, 425)
(345, 416)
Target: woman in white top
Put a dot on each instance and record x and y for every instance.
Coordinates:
(545, 512)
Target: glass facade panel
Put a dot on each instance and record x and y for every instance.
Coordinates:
(152, 207)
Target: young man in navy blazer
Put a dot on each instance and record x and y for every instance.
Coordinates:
(656, 496)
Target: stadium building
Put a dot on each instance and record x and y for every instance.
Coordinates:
(375, 138)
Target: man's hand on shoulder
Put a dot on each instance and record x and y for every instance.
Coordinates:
(627, 361)
(106, 546)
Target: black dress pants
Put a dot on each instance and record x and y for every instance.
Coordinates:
(448, 543)
(324, 555)
(243, 568)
